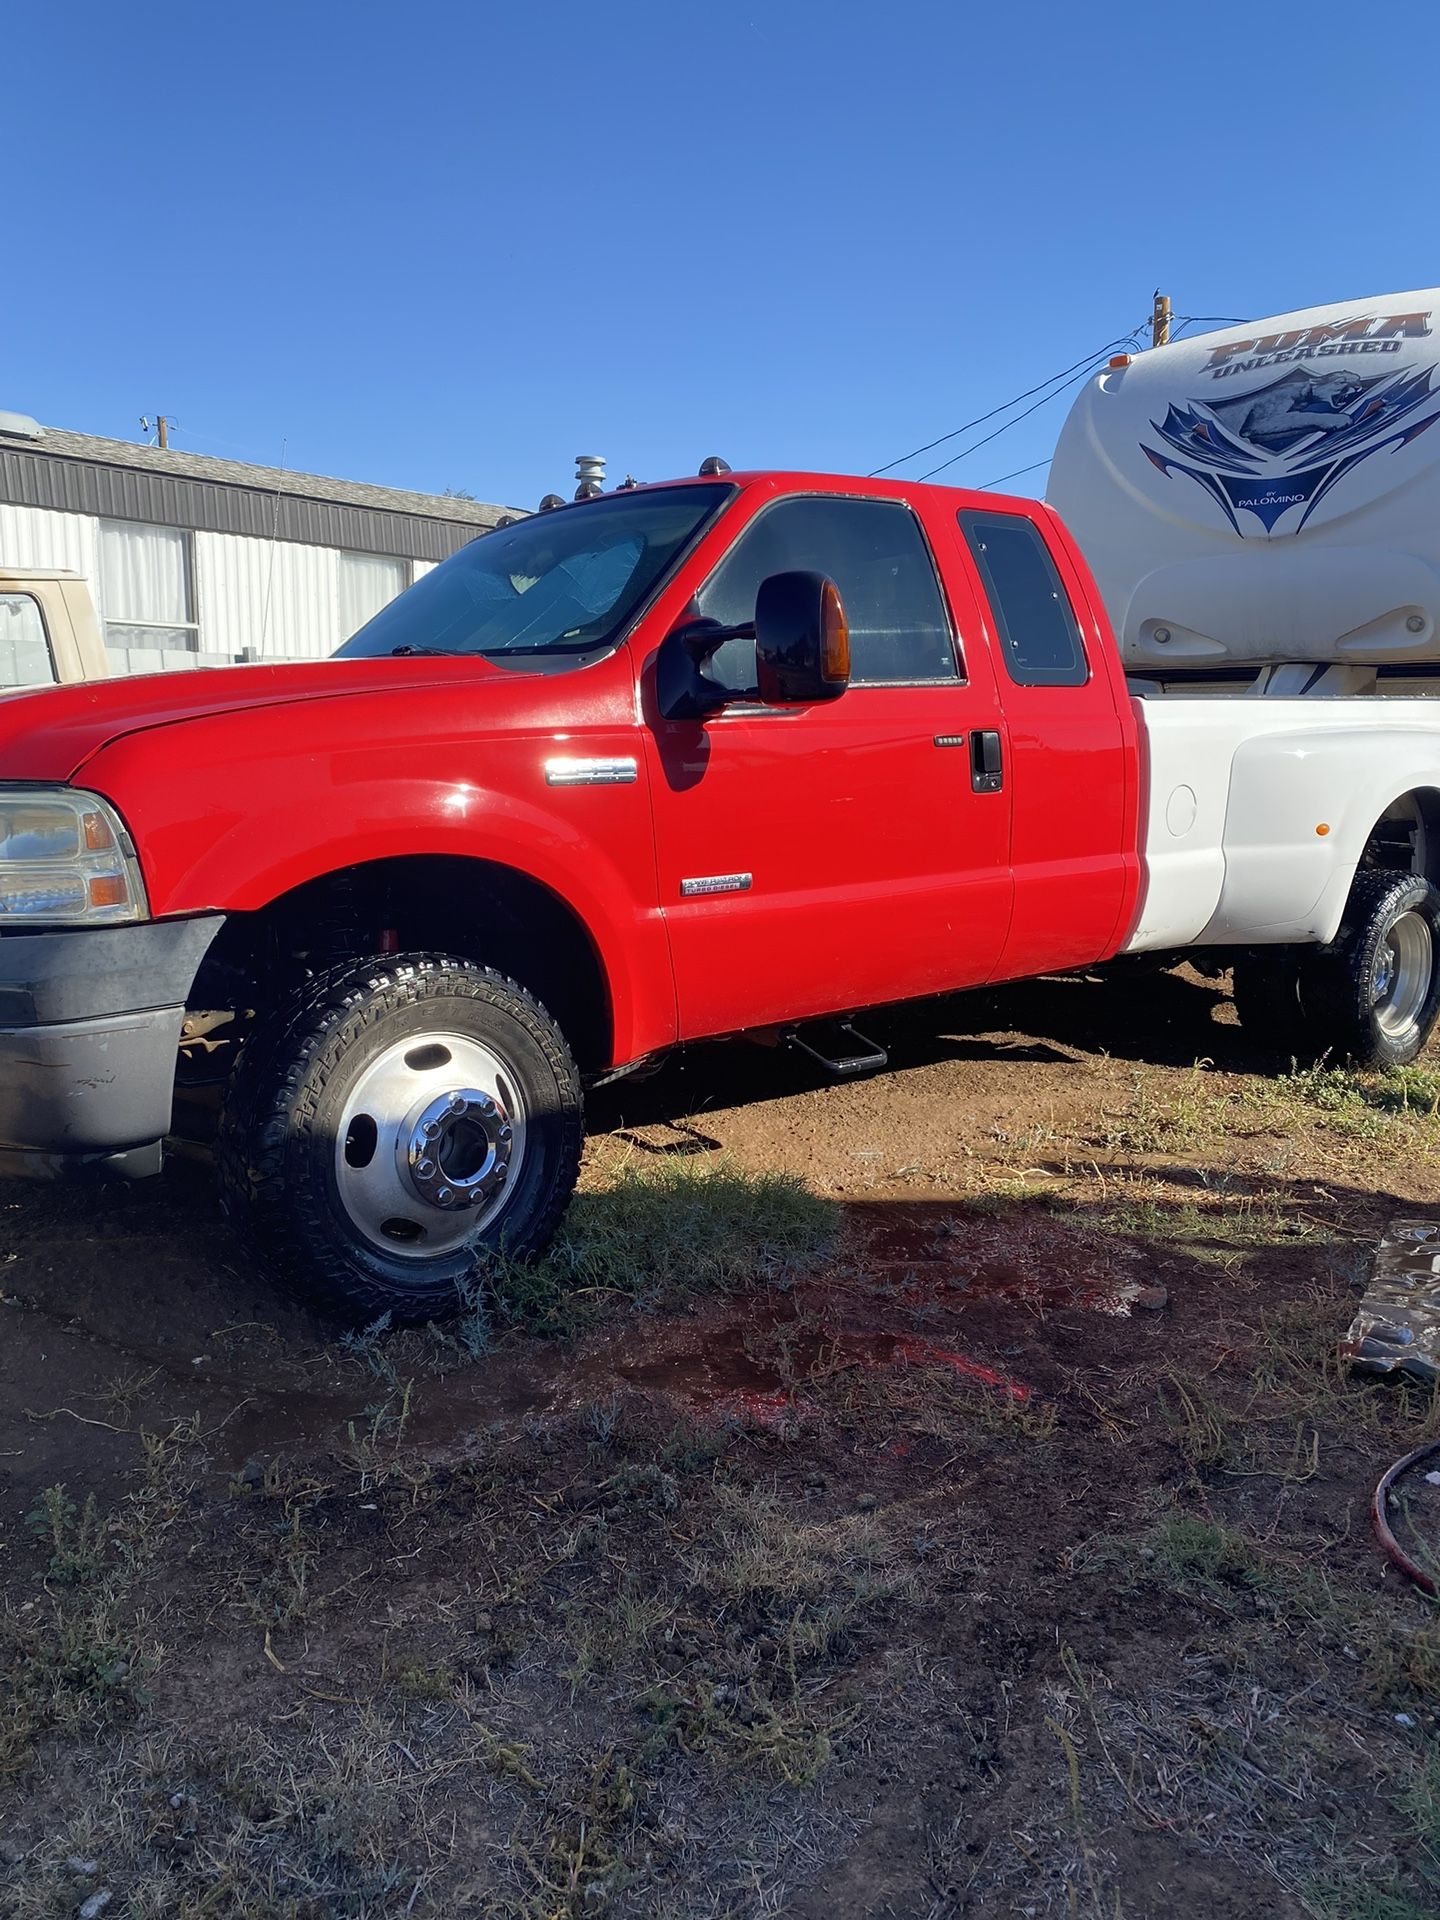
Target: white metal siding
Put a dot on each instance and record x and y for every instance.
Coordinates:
(276, 597)
(38, 537)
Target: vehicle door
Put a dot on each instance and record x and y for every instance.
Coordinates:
(1070, 762)
(27, 658)
(816, 859)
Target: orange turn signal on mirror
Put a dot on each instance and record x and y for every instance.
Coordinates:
(834, 636)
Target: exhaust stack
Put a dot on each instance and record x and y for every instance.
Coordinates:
(590, 474)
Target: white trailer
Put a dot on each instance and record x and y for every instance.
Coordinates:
(1261, 506)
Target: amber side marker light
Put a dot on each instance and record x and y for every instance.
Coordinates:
(1119, 360)
(1322, 829)
(834, 636)
(108, 890)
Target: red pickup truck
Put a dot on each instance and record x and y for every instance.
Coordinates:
(733, 753)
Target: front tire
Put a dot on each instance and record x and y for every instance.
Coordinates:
(392, 1125)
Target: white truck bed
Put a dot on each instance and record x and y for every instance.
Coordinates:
(1256, 812)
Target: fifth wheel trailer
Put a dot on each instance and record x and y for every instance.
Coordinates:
(1261, 506)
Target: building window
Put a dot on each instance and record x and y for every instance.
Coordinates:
(25, 659)
(368, 582)
(145, 587)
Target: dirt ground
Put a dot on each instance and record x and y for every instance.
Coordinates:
(935, 1495)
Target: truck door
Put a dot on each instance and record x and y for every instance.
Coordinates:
(1070, 760)
(27, 658)
(818, 859)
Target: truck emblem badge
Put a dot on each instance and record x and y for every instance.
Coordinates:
(716, 883)
(1285, 444)
(569, 770)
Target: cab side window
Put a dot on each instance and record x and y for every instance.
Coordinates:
(25, 659)
(1039, 635)
(875, 553)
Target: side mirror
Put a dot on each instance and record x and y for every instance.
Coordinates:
(802, 643)
(802, 651)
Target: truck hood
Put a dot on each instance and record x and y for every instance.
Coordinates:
(50, 732)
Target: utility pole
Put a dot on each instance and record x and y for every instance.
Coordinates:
(1159, 330)
(163, 424)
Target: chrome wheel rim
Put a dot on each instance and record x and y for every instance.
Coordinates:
(1403, 970)
(431, 1140)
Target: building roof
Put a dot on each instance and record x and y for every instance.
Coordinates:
(68, 472)
(311, 486)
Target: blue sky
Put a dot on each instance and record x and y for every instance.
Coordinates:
(453, 245)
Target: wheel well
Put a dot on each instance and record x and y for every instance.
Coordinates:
(1406, 837)
(438, 903)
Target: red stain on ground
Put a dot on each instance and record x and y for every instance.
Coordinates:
(921, 1353)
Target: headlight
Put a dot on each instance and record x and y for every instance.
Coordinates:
(65, 860)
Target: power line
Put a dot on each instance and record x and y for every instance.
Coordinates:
(987, 485)
(1085, 371)
(1206, 320)
(980, 421)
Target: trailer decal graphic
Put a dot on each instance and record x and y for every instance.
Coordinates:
(1287, 443)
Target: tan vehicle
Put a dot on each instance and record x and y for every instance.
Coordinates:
(48, 630)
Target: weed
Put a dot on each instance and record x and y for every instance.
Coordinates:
(76, 1536)
(1147, 1125)
(580, 1861)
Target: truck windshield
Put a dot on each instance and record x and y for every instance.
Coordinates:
(568, 581)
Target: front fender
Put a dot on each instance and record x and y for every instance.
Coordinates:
(1300, 808)
(217, 832)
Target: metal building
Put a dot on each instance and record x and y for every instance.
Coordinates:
(193, 561)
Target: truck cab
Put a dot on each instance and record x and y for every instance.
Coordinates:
(49, 635)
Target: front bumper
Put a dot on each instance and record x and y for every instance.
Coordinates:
(89, 1027)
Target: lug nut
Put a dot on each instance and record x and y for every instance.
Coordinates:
(444, 1196)
(425, 1169)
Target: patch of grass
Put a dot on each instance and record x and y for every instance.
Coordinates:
(1147, 1124)
(1223, 1229)
(1218, 1439)
(1401, 1106)
(613, 1633)
(786, 1733)
(581, 1858)
(76, 1656)
(1361, 1899)
(295, 1825)
(670, 1227)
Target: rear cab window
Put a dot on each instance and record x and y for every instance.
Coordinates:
(25, 656)
(1039, 635)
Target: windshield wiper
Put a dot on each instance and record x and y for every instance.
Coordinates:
(406, 647)
(548, 646)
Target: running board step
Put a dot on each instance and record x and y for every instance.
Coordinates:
(839, 1048)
